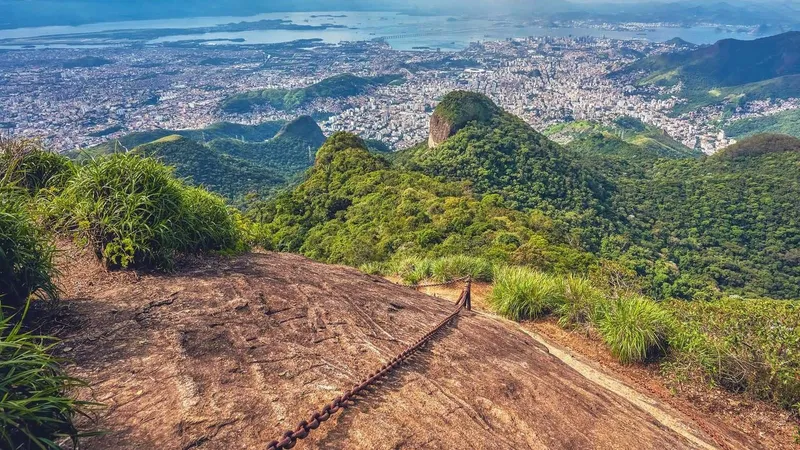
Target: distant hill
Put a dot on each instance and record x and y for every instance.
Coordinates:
(227, 175)
(627, 137)
(498, 153)
(786, 122)
(230, 159)
(260, 132)
(289, 152)
(760, 144)
(339, 86)
(304, 127)
(730, 70)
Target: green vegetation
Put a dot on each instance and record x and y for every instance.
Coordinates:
(133, 212)
(240, 160)
(786, 122)
(339, 86)
(26, 254)
(506, 157)
(727, 223)
(461, 107)
(634, 328)
(203, 165)
(628, 137)
(24, 164)
(221, 130)
(414, 270)
(35, 410)
(522, 294)
(729, 71)
(354, 208)
(743, 345)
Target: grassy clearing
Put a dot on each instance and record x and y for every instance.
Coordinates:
(133, 212)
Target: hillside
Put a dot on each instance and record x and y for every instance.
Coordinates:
(786, 122)
(627, 137)
(601, 201)
(339, 86)
(762, 68)
(260, 132)
(498, 153)
(240, 349)
(354, 207)
(219, 172)
(727, 222)
(290, 152)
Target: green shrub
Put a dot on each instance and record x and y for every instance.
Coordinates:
(634, 328)
(377, 268)
(133, 212)
(750, 346)
(26, 254)
(35, 408)
(414, 270)
(207, 222)
(579, 302)
(452, 267)
(520, 293)
(25, 164)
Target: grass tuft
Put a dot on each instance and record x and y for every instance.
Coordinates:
(634, 328)
(580, 302)
(521, 294)
(452, 267)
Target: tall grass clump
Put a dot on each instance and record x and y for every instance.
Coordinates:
(26, 165)
(414, 270)
(26, 254)
(520, 293)
(452, 267)
(580, 302)
(36, 409)
(133, 212)
(634, 328)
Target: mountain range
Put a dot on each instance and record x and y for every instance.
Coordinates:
(730, 70)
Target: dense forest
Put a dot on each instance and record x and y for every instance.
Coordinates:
(684, 226)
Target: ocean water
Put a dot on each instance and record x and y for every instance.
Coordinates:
(401, 31)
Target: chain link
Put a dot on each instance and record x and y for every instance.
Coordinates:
(290, 437)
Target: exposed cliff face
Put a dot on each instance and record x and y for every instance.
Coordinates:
(440, 130)
(455, 111)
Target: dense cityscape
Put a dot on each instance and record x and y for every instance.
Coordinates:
(74, 98)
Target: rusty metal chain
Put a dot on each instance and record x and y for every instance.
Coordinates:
(290, 437)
